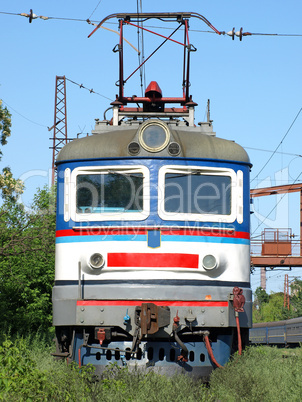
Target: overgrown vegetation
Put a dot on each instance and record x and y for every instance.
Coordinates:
(28, 372)
(27, 245)
(262, 374)
(27, 242)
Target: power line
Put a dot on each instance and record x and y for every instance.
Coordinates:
(249, 34)
(90, 90)
(140, 45)
(281, 198)
(276, 152)
(34, 16)
(24, 117)
(94, 10)
(149, 26)
(143, 50)
(274, 34)
(278, 145)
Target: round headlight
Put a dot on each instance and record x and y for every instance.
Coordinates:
(133, 148)
(96, 261)
(174, 149)
(154, 136)
(209, 262)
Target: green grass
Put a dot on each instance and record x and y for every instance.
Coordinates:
(262, 374)
(29, 373)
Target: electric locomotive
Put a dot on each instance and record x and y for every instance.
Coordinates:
(152, 240)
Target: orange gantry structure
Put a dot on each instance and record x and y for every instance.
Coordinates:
(277, 247)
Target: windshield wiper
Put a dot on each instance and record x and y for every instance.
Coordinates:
(126, 174)
(192, 172)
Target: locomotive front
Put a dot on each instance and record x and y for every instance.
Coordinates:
(152, 242)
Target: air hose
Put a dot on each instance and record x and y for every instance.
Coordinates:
(184, 350)
(238, 333)
(210, 351)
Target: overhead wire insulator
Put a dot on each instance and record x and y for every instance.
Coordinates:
(232, 33)
(240, 34)
(31, 16)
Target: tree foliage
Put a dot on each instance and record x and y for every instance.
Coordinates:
(9, 187)
(5, 125)
(268, 308)
(296, 299)
(261, 296)
(27, 241)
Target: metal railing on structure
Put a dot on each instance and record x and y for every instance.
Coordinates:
(257, 248)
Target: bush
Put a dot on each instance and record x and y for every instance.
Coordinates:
(19, 378)
(28, 372)
(261, 374)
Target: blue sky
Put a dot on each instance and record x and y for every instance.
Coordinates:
(254, 85)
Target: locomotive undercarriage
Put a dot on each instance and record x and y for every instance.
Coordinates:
(166, 339)
(163, 355)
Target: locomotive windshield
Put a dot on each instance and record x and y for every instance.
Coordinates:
(196, 193)
(110, 192)
(199, 193)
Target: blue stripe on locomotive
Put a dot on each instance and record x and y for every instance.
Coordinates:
(153, 165)
(176, 238)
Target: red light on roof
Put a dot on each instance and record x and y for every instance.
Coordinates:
(153, 89)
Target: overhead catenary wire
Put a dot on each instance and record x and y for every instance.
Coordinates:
(277, 203)
(276, 152)
(24, 117)
(140, 44)
(285, 135)
(43, 125)
(152, 53)
(94, 9)
(149, 26)
(143, 51)
(273, 34)
(90, 90)
(44, 17)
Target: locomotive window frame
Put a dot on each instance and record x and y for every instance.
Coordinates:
(235, 196)
(115, 214)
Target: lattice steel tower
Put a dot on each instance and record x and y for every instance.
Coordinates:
(60, 122)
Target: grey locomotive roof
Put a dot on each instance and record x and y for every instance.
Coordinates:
(114, 144)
